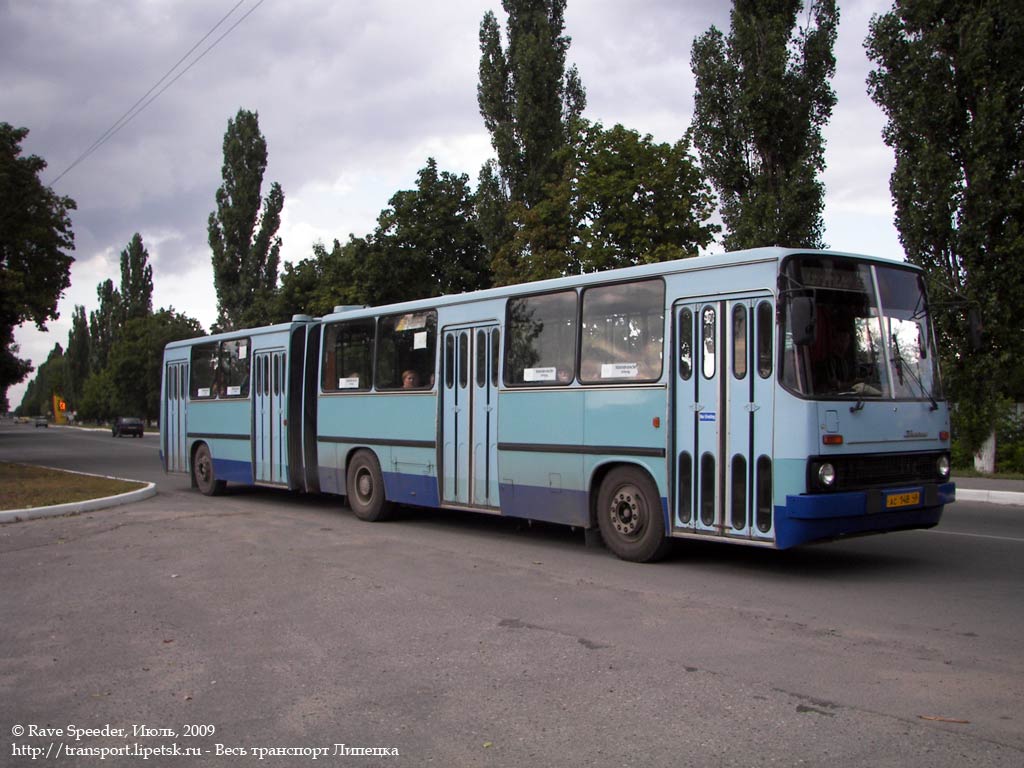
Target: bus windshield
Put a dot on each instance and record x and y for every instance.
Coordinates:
(870, 335)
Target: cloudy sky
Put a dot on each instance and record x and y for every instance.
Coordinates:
(352, 97)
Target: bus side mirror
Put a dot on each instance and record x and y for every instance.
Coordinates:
(802, 319)
(974, 328)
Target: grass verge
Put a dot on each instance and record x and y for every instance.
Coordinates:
(23, 486)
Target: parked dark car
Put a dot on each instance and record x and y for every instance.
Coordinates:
(127, 425)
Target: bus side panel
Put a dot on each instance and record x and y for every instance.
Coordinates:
(540, 463)
(226, 427)
(634, 421)
(401, 429)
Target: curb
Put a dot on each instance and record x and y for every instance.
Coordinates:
(76, 507)
(990, 497)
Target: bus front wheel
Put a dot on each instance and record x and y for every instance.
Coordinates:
(629, 516)
(202, 473)
(365, 485)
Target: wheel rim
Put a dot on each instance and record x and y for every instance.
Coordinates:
(203, 467)
(628, 511)
(364, 486)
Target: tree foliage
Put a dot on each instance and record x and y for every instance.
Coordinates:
(104, 322)
(50, 379)
(427, 243)
(949, 78)
(136, 360)
(35, 241)
(77, 357)
(638, 202)
(530, 105)
(762, 97)
(242, 235)
(136, 280)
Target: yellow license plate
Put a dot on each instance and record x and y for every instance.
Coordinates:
(902, 499)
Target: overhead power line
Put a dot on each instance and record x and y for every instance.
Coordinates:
(146, 99)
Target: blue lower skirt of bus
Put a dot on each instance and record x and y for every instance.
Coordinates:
(551, 505)
(233, 471)
(404, 488)
(820, 517)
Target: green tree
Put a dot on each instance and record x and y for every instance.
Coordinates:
(136, 360)
(949, 78)
(243, 238)
(430, 232)
(639, 202)
(77, 357)
(314, 286)
(50, 379)
(762, 97)
(35, 238)
(136, 280)
(426, 243)
(530, 105)
(104, 323)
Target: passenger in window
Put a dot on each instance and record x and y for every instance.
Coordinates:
(564, 376)
(410, 379)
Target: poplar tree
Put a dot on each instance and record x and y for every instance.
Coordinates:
(762, 97)
(77, 357)
(530, 104)
(243, 230)
(950, 80)
(136, 280)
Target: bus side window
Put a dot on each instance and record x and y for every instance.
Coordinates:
(348, 355)
(765, 334)
(685, 344)
(406, 345)
(540, 340)
(708, 328)
(739, 341)
(623, 332)
(203, 370)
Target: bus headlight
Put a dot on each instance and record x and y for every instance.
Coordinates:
(942, 465)
(826, 474)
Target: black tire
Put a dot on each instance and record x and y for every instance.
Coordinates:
(630, 517)
(365, 487)
(202, 473)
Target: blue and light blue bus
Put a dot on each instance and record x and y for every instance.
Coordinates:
(770, 397)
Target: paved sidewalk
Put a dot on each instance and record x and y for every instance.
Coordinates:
(989, 489)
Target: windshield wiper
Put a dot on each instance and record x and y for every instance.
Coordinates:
(902, 365)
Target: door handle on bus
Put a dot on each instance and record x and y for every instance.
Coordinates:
(697, 407)
(751, 407)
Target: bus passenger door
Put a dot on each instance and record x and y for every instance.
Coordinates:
(748, 324)
(700, 418)
(469, 416)
(270, 433)
(175, 425)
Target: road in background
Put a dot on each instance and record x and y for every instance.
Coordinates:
(474, 640)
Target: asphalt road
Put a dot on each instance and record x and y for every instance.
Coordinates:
(467, 640)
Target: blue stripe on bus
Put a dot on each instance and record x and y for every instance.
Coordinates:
(544, 503)
(233, 471)
(404, 488)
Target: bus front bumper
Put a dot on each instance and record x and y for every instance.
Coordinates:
(819, 517)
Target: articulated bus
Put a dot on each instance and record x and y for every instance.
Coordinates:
(771, 397)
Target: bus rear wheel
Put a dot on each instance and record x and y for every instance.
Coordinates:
(365, 485)
(202, 473)
(629, 516)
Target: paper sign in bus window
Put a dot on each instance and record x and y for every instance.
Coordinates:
(620, 370)
(539, 374)
(351, 382)
(234, 390)
(419, 340)
(203, 392)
